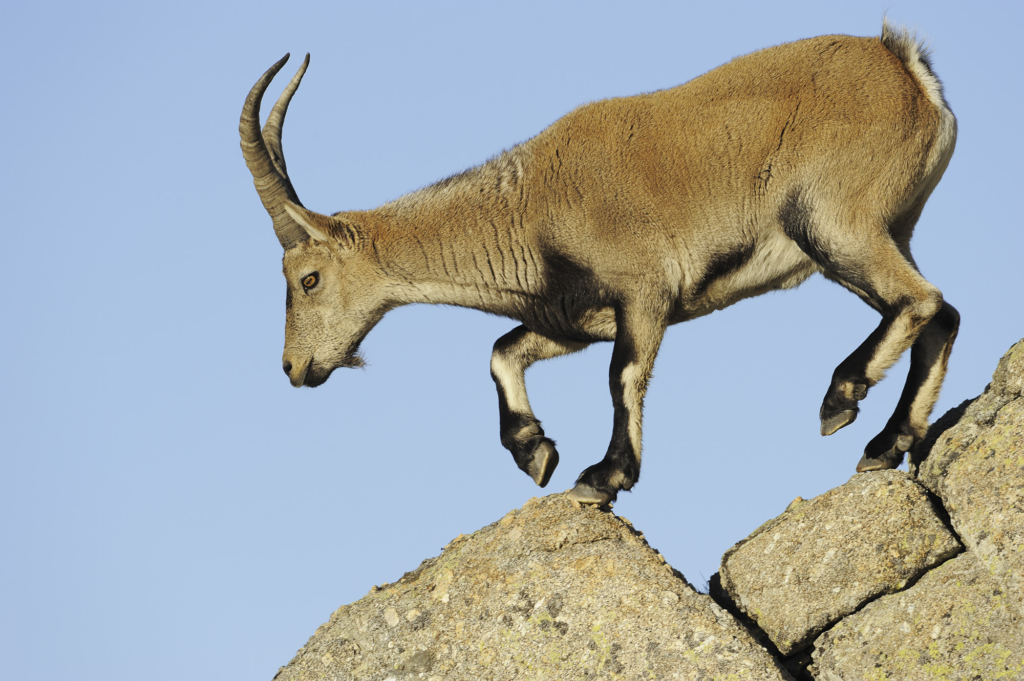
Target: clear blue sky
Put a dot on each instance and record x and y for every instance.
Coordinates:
(171, 506)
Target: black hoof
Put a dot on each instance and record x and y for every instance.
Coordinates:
(885, 452)
(537, 458)
(839, 408)
(883, 464)
(534, 454)
(585, 494)
(543, 463)
(832, 423)
(600, 484)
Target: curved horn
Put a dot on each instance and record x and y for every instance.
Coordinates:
(275, 121)
(264, 156)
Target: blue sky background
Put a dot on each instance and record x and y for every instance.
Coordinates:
(171, 506)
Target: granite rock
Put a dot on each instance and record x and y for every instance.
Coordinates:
(976, 466)
(858, 583)
(955, 623)
(824, 558)
(551, 591)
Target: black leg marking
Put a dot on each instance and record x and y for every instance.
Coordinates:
(522, 435)
(928, 358)
(636, 345)
(620, 468)
(850, 383)
(521, 432)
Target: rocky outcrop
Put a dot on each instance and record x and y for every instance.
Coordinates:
(955, 623)
(910, 613)
(976, 466)
(858, 583)
(551, 591)
(825, 558)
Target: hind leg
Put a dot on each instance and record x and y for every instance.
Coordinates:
(521, 433)
(864, 258)
(907, 303)
(909, 423)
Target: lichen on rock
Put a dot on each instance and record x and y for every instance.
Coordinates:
(953, 624)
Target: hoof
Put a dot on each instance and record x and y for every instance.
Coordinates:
(833, 423)
(545, 459)
(885, 452)
(882, 464)
(585, 494)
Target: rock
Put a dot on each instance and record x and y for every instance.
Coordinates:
(824, 558)
(862, 572)
(955, 623)
(976, 466)
(548, 592)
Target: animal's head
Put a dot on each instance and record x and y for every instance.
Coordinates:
(334, 294)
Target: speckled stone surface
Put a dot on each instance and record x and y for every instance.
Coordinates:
(551, 591)
(824, 558)
(955, 623)
(977, 468)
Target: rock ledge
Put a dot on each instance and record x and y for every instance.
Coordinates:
(551, 591)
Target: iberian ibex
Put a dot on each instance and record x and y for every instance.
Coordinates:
(630, 214)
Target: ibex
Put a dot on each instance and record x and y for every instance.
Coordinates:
(630, 214)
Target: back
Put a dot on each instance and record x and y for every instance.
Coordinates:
(729, 146)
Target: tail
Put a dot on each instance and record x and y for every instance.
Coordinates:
(915, 55)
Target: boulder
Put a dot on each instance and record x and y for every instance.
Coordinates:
(824, 558)
(857, 583)
(551, 591)
(955, 623)
(975, 464)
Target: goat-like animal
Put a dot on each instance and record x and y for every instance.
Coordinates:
(630, 214)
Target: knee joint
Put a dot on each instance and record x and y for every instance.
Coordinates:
(947, 318)
(926, 308)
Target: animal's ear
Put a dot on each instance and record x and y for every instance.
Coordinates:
(325, 228)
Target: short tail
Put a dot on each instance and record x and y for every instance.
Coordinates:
(915, 55)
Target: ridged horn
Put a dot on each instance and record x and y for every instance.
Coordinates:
(265, 157)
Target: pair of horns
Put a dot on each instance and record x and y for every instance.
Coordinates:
(265, 157)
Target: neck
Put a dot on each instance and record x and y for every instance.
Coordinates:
(462, 241)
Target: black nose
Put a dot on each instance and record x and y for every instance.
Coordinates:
(288, 368)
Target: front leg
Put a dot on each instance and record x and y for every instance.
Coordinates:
(637, 339)
(521, 433)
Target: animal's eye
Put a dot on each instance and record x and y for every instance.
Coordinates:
(310, 280)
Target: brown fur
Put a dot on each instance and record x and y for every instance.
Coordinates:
(630, 214)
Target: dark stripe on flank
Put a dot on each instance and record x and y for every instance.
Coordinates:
(723, 264)
(797, 223)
